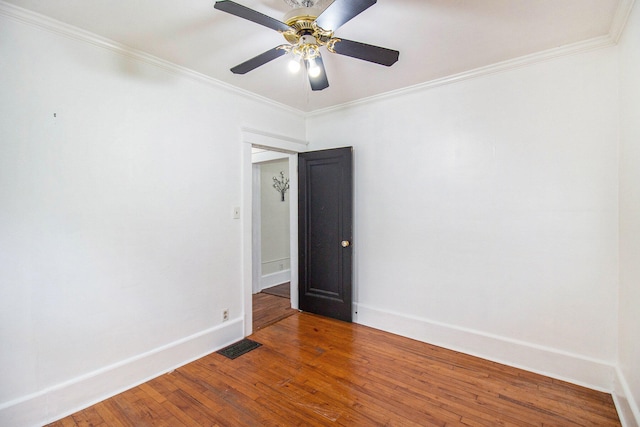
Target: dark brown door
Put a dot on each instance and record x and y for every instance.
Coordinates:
(325, 215)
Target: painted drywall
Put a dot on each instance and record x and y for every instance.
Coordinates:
(629, 352)
(274, 215)
(486, 214)
(488, 207)
(118, 250)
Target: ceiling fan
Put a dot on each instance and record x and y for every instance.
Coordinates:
(307, 28)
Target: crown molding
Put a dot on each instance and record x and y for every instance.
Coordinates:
(511, 64)
(59, 28)
(615, 32)
(43, 22)
(620, 19)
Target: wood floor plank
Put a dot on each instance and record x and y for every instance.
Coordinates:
(269, 309)
(89, 417)
(117, 414)
(152, 392)
(165, 388)
(194, 409)
(313, 371)
(109, 418)
(440, 394)
(65, 422)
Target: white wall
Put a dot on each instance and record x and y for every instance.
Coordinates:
(486, 214)
(629, 353)
(488, 207)
(118, 251)
(274, 215)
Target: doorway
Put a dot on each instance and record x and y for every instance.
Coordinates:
(287, 148)
(271, 262)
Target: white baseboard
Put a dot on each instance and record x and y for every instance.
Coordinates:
(625, 403)
(275, 279)
(573, 368)
(64, 399)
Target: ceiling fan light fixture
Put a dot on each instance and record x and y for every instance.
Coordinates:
(306, 50)
(294, 65)
(314, 70)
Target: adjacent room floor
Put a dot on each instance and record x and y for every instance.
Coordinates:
(271, 305)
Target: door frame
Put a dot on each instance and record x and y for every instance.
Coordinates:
(255, 138)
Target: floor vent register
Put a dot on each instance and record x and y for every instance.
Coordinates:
(238, 349)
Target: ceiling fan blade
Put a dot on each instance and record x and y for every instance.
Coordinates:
(259, 60)
(341, 11)
(366, 52)
(250, 14)
(320, 82)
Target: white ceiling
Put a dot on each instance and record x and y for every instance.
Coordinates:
(436, 39)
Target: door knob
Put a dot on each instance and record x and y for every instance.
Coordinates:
(346, 243)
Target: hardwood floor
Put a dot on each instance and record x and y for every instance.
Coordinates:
(283, 290)
(315, 371)
(269, 308)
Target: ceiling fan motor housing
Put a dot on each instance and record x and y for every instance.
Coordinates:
(301, 20)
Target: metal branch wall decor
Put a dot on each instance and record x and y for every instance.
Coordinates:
(282, 185)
